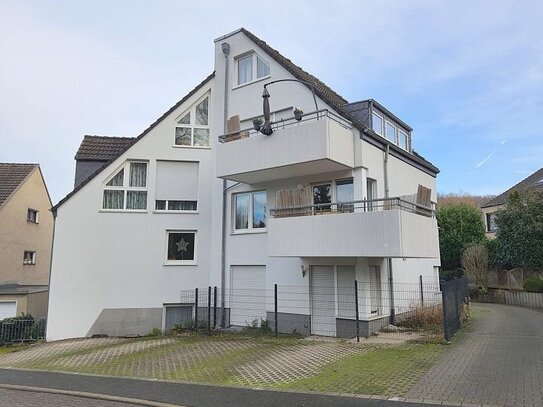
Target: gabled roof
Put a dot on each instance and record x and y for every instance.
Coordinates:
(338, 103)
(134, 141)
(12, 176)
(102, 148)
(533, 183)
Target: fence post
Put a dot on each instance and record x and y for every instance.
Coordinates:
(458, 312)
(421, 292)
(214, 307)
(356, 310)
(209, 310)
(196, 309)
(275, 307)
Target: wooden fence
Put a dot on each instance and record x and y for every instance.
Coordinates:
(524, 299)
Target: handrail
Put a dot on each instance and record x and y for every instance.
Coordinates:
(367, 205)
(290, 121)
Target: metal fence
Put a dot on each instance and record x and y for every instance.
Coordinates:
(455, 294)
(344, 308)
(14, 330)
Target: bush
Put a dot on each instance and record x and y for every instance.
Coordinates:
(533, 284)
(475, 264)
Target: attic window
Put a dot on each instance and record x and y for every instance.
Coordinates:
(127, 189)
(251, 67)
(192, 128)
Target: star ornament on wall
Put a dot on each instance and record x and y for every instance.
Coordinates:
(182, 245)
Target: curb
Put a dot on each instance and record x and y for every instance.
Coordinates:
(87, 395)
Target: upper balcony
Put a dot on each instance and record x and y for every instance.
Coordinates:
(320, 142)
(390, 227)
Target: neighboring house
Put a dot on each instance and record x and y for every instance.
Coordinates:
(149, 222)
(26, 226)
(533, 183)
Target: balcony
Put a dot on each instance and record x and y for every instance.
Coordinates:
(319, 143)
(391, 227)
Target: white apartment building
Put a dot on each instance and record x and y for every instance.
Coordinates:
(201, 198)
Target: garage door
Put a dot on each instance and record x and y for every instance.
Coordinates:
(8, 309)
(323, 307)
(247, 295)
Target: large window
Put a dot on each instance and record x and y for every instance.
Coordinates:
(251, 67)
(176, 186)
(181, 247)
(192, 128)
(250, 211)
(127, 189)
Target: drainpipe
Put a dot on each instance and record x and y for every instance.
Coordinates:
(226, 52)
(389, 260)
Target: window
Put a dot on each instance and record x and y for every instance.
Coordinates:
(377, 123)
(403, 140)
(251, 67)
(491, 222)
(391, 133)
(345, 193)
(250, 211)
(322, 195)
(192, 128)
(371, 188)
(32, 215)
(127, 189)
(29, 257)
(181, 247)
(177, 186)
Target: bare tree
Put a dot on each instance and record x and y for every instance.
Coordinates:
(475, 265)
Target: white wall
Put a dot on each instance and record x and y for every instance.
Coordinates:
(115, 260)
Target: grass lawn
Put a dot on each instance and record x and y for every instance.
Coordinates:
(10, 349)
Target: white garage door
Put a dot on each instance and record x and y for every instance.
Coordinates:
(323, 306)
(247, 294)
(8, 309)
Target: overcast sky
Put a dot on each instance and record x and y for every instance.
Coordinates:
(466, 75)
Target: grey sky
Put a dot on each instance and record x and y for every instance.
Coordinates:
(466, 75)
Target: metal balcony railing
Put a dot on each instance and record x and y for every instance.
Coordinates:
(366, 205)
(288, 122)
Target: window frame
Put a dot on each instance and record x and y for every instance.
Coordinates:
(32, 262)
(402, 133)
(254, 68)
(192, 262)
(250, 217)
(126, 187)
(36, 217)
(167, 201)
(489, 222)
(395, 127)
(192, 125)
(380, 116)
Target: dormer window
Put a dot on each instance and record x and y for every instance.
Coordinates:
(251, 67)
(390, 129)
(192, 127)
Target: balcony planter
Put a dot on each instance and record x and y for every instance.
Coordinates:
(257, 123)
(298, 113)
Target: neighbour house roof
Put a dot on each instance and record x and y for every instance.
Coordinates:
(102, 148)
(134, 140)
(334, 100)
(12, 176)
(531, 184)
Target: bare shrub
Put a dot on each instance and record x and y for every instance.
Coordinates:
(425, 319)
(462, 197)
(475, 265)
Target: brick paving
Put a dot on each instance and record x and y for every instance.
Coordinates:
(498, 361)
(17, 398)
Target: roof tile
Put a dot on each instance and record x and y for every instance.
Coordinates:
(11, 176)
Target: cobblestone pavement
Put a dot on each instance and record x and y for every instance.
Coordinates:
(17, 398)
(498, 361)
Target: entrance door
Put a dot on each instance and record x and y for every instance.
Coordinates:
(323, 307)
(375, 290)
(247, 295)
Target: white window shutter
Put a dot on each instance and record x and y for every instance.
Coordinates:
(177, 180)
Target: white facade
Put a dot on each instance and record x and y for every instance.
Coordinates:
(107, 262)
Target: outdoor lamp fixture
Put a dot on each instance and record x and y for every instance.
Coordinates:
(266, 127)
(303, 271)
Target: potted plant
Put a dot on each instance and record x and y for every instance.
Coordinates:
(298, 113)
(257, 122)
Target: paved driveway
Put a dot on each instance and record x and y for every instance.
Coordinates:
(499, 361)
(17, 398)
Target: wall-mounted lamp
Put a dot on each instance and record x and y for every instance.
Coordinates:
(303, 271)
